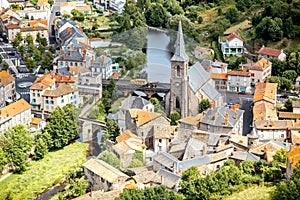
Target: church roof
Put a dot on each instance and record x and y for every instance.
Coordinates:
(198, 76)
(179, 54)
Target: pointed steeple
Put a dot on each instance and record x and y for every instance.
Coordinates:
(179, 54)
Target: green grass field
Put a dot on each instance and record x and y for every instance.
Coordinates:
(253, 193)
(44, 173)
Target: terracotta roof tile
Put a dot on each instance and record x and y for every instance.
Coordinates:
(13, 26)
(233, 36)
(190, 120)
(62, 89)
(294, 156)
(142, 117)
(273, 124)
(264, 111)
(6, 78)
(266, 92)
(260, 65)
(239, 73)
(289, 115)
(222, 76)
(15, 108)
(38, 22)
(35, 120)
(295, 137)
(269, 51)
(126, 135)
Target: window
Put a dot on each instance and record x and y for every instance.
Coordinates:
(282, 135)
(178, 70)
(46, 102)
(33, 94)
(38, 95)
(159, 140)
(177, 102)
(52, 108)
(47, 107)
(62, 101)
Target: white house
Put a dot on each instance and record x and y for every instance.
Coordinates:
(267, 53)
(272, 129)
(234, 45)
(103, 64)
(16, 113)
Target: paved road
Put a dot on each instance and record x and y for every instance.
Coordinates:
(55, 8)
(24, 92)
(245, 104)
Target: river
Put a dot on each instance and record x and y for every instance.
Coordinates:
(158, 57)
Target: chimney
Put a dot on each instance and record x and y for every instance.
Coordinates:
(292, 147)
(265, 149)
(203, 150)
(226, 119)
(93, 59)
(162, 180)
(237, 106)
(232, 107)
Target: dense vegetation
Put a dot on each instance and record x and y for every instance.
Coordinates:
(44, 173)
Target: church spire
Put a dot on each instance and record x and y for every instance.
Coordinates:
(179, 54)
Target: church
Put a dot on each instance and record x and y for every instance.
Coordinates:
(189, 85)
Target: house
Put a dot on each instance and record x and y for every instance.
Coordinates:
(37, 124)
(268, 53)
(132, 102)
(186, 126)
(117, 5)
(265, 92)
(127, 144)
(240, 156)
(260, 71)
(101, 175)
(234, 45)
(163, 137)
(264, 111)
(166, 178)
(239, 142)
(215, 66)
(89, 83)
(296, 107)
(52, 90)
(272, 129)
(103, 64)
(293, 158)
(42, 10)
(16, 113)
(203, 53)
(220, 81)
(142, 123)
(295, 137)
(9, 23)
(67, 7)
(222, 120)
(239, 81)
(8, 86)
(194, 148)
(266, 149)
(288, 115)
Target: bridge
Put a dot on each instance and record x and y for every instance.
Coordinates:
(157, 29)
(150, 89)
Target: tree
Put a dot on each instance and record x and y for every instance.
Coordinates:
(232, 14)
(52, 49)
(46, 62)
(156, 15)
(157, 192)
(290, 75)
(174, 116)
(106, 100)
(17, 40)
(16, 143)
(137, 160)
(187, 25)
(37, 55)
(112, 130)
(21, 49)
(269, 29)
(203, 105)
(157, 105)
(3, 159)
(63, 126)
(41, 149)
(30, 63)
(112, 89)
(110, 158)
(29, 39)
(75, 188)
(280, 156)
(288, 105)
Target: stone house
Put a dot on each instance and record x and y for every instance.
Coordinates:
(90, 83)
(222, 120)
(239, 81)
(296, 107)
(166, 178)
(163, 137)
(260, 71)
(103, 64)
(101, 175)
(220, 81)
(240, 156)
(142, 123)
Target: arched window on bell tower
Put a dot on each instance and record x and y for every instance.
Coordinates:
(177, 102)
(178, 70)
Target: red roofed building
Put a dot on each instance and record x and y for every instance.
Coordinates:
(267, 53)
(234, 45)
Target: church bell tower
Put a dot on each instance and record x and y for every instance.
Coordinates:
(179, 77)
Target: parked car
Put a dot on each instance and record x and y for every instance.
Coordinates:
(284, 96)
(242, 92)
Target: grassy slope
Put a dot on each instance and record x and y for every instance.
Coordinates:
(253, 193)
(44, 173)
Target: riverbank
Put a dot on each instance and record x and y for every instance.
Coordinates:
(43, 174)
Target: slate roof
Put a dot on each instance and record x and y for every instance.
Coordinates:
(179, 54)
(134, 102)
(194, 148)
(242, 155)
(166, 178)
(268, 145)
(104, 170)
(102, 61)
(199, 79)
(216, 116)
(166, 160)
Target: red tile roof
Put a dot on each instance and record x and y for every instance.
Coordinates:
(239, 73)
(13, 26)
(233, 36)
(269, 51)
